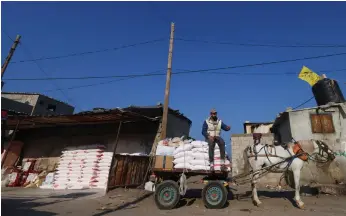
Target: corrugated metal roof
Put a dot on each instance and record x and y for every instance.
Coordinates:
(90, 117)
(156, 110)
(34, 93)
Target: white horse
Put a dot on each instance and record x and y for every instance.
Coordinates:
(292, 158)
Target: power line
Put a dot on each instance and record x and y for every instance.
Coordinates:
(266, 45)
(101, 83)
(89, 52)
(44, 72)
(183, 72)
(155, 72)
(305, 102)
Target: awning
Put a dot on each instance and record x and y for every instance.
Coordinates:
(92, 117)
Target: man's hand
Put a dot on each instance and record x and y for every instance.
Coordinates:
(228, 128)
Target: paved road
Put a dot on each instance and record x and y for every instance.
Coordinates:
(120, 202)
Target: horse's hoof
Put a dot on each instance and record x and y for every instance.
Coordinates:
(258, 204)
(300, 206)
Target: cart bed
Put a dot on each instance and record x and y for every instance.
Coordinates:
(188, 172)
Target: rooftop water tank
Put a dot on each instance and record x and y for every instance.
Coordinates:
(327, 90)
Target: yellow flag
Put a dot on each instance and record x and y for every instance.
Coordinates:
(309, 76)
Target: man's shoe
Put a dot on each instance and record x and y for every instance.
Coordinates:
(223, 168)
(212, 167)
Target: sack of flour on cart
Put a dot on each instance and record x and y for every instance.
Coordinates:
(172, 146)
(183, 154)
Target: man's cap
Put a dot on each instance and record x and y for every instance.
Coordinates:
(213, 110)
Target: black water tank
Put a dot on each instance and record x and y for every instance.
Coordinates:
(327, 90)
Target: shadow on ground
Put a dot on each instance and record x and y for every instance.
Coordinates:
(127, 205)
(287, 195)
(193, 194)
(17, 206)
(25, 206)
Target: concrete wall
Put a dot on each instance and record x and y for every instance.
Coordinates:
(177, 127)
(239, 143)
(15, 105)
(37, 103)
(41, 108)
(22, 98)
(301, 127)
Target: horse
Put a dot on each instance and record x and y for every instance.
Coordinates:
(269, 158)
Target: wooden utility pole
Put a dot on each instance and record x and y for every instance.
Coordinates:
(168, 84)
(9, 56)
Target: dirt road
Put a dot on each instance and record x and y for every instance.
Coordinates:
(120, 202)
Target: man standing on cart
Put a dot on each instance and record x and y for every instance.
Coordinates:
(211, 131)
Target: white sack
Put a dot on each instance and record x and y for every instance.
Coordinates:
(183, 154)
(185, 147)
(165, 150)
(183, 165)
(200, 167)
(202, 149)
(199, 144)
(182, 160)
(201, 156)
(200, 162)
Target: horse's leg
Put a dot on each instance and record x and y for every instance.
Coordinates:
(255, 198)
(297, 165)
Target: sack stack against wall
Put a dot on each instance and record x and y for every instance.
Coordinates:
(83, 167)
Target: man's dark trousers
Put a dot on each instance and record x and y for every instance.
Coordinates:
(221, 144)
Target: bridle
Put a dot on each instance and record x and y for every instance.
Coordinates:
(324, 154)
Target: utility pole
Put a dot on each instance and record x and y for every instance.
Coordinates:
(9, 56)
(168, 84)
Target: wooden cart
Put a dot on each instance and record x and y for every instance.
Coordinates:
(169, 187)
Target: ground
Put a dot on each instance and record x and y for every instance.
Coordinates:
(18, 201)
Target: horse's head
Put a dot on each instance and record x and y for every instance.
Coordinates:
(322, 152)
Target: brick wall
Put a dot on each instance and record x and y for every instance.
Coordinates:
(239, 143)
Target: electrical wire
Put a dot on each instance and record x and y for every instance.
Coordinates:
(45, 73)
(305, 102)
(101, 83)
(183, 72)
(265, 45)
(90, 52)
(118, 80)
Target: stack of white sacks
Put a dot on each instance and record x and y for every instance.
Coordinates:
(195, 156)
(83, 167)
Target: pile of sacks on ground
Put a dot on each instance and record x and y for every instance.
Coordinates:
(83, 167)
(192, 155)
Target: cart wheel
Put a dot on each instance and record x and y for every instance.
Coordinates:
(214, 195)
(167, 195)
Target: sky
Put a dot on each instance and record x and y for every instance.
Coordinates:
(252, 94)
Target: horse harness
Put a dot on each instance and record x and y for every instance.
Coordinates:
(268, 149)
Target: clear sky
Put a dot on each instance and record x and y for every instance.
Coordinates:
(60, 28)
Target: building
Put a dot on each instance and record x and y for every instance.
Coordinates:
(129, 130)
(326, 123)
(34, 104)
(257, 127)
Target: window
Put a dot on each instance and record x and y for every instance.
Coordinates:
(51, 107)
(322, 123)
